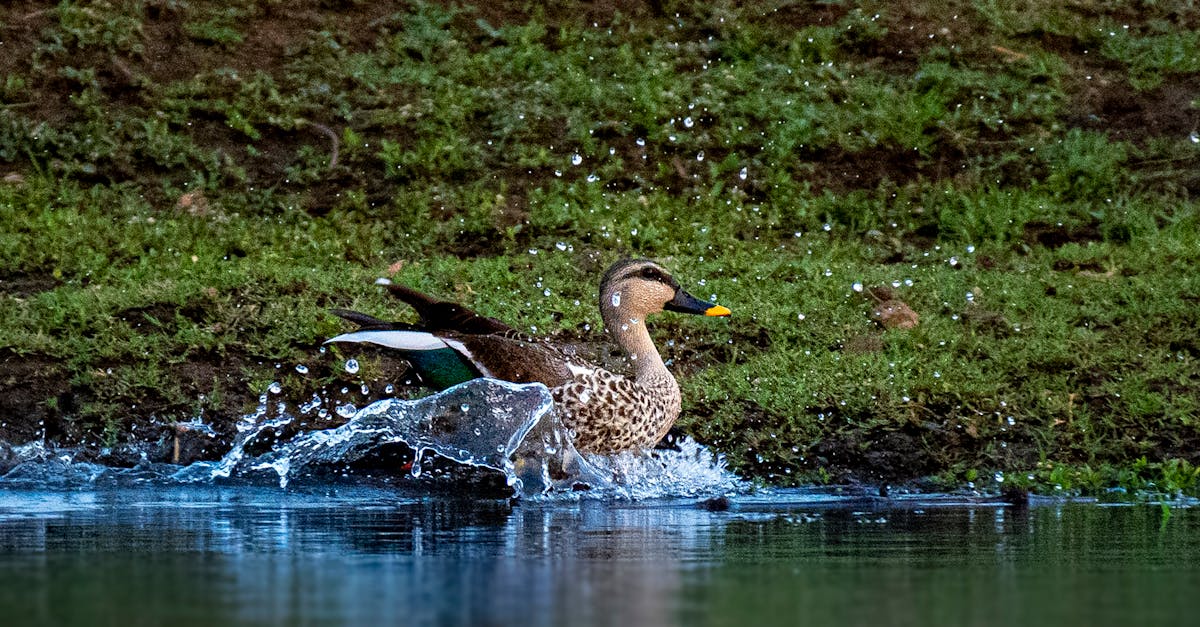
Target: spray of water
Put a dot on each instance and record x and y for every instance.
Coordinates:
(489, 424)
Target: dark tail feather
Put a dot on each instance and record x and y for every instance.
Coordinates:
(446, 316)
(417, 300)
(370, 323)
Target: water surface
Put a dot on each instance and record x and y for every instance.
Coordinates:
(354, 554)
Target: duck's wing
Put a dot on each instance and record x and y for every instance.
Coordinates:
(513, 356)
(436, 362)
(444, 359)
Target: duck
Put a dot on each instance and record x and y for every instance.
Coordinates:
(607, 412)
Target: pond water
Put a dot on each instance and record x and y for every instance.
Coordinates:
(369, 554)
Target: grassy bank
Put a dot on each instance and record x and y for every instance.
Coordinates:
(190, 185)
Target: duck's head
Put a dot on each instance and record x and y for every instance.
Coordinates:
(635, 288)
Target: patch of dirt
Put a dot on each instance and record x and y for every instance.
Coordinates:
(895, 455)
(1038, 233)
(270, 33)
(840, 171)
(798, 15)
(1102, 100)
(1108, 105)
(29, 384)
(38, 400)
(23, 22)
(26, 284)
(602, 13)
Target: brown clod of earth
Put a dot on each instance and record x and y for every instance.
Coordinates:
(891, 312)
(194, 203)
(895, 314)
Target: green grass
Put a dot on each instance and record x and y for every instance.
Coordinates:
(174, 228)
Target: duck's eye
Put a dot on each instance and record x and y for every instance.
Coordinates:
(651, 274)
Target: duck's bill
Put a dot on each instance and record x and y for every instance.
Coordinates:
(717, 310)
(686, 303)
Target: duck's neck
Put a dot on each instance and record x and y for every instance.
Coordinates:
(630, 333)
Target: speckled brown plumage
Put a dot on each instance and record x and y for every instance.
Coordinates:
(606, 411)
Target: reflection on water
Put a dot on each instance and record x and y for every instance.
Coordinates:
(359, 555)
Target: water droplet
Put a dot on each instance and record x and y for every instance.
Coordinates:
(688, 122)
(700, 156)
(827, 227)
(616, 299)
(970, 296)
(364, 389)
(389, 388)
(800, 316)
(743, 174)
(641, 141)
(970, 249)
(275, 388)
(301, 368)
(345, 411)
(561, 246)
(576, 159)
(1194, 137)
(857, 286)
(464, 408)
(592, 178)
(351, 366)
(546, 292)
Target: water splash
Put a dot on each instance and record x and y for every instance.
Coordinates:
(484, 424)
(508, 430)
(688, 470)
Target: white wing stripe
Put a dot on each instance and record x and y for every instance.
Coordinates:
(462, 350)
(402, 340)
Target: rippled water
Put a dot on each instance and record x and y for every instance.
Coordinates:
(357, 554)
(275, 534)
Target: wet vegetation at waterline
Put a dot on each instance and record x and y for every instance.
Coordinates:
(960, 239)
